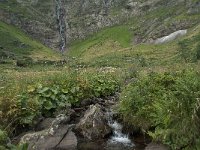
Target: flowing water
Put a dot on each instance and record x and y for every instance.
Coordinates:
(117, 141)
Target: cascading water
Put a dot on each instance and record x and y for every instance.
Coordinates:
(60, 14)
(118, 136)
(118, 139)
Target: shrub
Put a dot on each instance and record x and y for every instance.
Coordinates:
(3, 137)
(170, 103)
(6, 145)
(24, 62)
(45, 100)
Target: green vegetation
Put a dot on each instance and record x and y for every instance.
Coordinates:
(33, 95)
(4, 140)
(16, 44)
(189, 48)
(119, 35)
(45, 100)
(168, 102)
(14, 7)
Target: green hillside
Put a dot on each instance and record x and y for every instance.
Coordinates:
(116, 46)
(17, 44)
(107, 51)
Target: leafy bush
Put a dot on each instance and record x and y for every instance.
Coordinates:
(3, 137)
(24, 62)
(17, 147)
(45, 100)
(102, 85)
(170, 103)
(6, 145)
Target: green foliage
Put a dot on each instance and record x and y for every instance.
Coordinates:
(14, 7)
(5, 143)
(103, 86)
(27, 61)
(120, 34)
(45, 100)
(190, 49)
(18, 147)
(186, 52)
(170, 103)
(3, 137)
(16, 42)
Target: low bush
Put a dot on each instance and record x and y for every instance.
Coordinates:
(44, 99)
(6, 145)
(168, 102)
(24, 62)
(3, 137)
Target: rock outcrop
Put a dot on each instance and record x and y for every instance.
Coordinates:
(57, 136)
(57, 22)
(156, 146)
(94, 124)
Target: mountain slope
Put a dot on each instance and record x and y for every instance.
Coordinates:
(17, 44)
(109, 50)
(80, 18)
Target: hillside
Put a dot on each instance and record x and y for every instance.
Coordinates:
(58, 22)
(132, 42)
(15, 44)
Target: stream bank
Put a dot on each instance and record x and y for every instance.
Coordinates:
(91, 126)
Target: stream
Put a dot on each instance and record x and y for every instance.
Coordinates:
(79, 130)
(116, 141)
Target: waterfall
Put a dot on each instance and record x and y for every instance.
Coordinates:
(60, 16)
(118, 138)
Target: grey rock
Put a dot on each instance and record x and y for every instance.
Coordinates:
(69, 142)
(52, 137)
(94, 124)
(45, 124)
(156, 146)
(194, 8)
(86, 102)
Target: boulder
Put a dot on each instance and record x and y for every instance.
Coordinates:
(69, 142)
(194, 8)
(93, 125)
(156, 146)
(45, 124)
(57, 136)
(86, 102)
(171, 37)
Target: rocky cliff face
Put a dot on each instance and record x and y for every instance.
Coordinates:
(58, 22)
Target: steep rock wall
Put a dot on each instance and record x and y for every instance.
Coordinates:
(57, 26)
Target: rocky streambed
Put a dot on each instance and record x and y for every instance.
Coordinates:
(92, 126)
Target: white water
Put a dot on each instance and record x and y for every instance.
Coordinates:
(118, 137)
